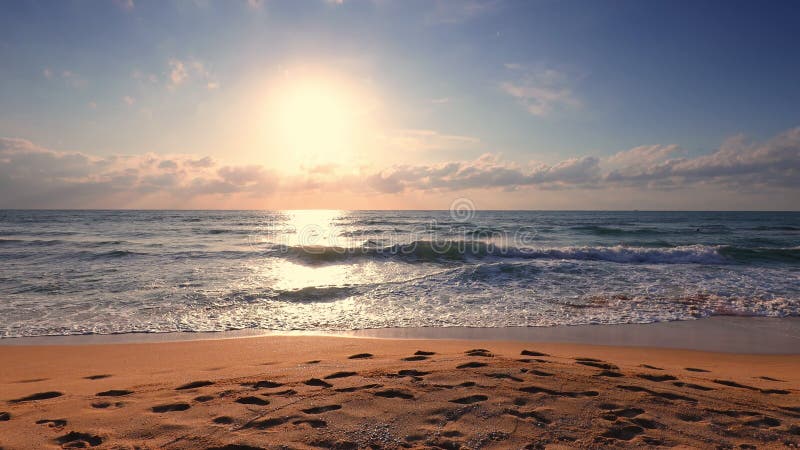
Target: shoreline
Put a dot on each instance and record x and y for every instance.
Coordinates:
(726, 334)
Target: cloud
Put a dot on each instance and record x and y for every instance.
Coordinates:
(181, 71)
(541, 91)
(128, 100)
(177, 72)
(35, 177)
(736, 165)
(421, 140)
(487, 171)
(126, 5)
(459, 11)
(69, 77)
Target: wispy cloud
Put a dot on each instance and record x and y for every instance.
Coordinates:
(421, 140)
(181, 71)
(458, 11)
(177, 72)
(541, 91)
(126, 5)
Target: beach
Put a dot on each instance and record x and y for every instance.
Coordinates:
(357, 392)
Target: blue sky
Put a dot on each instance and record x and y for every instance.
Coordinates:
(509, 89)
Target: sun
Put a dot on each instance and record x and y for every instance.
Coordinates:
(315, 121)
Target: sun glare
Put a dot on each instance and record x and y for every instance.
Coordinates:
(314, 121)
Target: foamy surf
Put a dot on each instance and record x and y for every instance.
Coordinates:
(149, 272)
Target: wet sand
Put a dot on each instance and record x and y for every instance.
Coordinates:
(338, 392)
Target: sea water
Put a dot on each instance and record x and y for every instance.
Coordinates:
(81, 272)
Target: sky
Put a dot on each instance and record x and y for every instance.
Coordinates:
(378, 104)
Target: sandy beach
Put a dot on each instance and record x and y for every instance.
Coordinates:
(310, 392)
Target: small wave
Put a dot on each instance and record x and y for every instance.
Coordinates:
(775, 228)
(115, 254)
(444, 251)
(313, 294)
(614, 231)
(33, 243)
(762, 254)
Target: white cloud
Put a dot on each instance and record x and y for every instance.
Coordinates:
(541, 91)
(35, 177)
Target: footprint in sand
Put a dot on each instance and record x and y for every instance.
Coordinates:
(412, 373)
(114, 393)
(415, 358)
(424, 353)
(236, 447)
(4, 416)
(479, 352)
(340, 375)
(52, 423)
(194, 385)
(656, 378)
(33, 380)
(286, 392)
(614, 413)
(763, 422)
(505, 376)
(648, 366)
(771, 379)
(223, 420)
(471, 365)
(252, 401)
(610, 374)
(317, 382)
(360, 356)
(172, 407)
(269, 423)
(313, 423)
(692, 386)
(263, 384)
(542, 390)
(74, 439)
(623, 432)
(321, 409)
(204, 398)
(470, 399)
(598, 364)
(395, 393)
(96, 377)
(538, 418)
(695, 369)
(358, 388)
(37, 396)
(532, 353)
(689, 416)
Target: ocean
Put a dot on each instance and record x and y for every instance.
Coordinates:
(104, 272)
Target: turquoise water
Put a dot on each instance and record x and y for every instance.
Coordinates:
(78, 272)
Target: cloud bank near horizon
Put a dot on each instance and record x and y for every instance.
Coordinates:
(35, 177)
